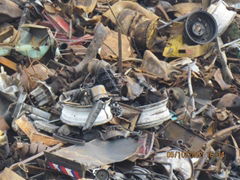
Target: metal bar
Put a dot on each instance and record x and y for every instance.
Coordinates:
(120, 70)
(8, 63)
(35, 156)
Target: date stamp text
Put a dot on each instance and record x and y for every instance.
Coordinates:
(191, 154)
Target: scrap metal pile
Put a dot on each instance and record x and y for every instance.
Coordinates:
(119, 89)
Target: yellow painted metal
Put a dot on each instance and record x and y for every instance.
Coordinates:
(10, 64)
(3, 138)
(176, 48)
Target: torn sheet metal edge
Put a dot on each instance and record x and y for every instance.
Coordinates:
(75, 115)
(222, 15)
(91, 155)
(153, 114)
(98, 153)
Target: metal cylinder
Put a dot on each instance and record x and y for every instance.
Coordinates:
(99, 92)
(200, 28)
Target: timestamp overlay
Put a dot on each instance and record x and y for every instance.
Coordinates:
(192, 154)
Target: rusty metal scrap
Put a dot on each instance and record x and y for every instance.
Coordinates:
(112, 89)
(9, 10)
(8, 173)
(27, 127)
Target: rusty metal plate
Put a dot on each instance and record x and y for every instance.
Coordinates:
(182, 135)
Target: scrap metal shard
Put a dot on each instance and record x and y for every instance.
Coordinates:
(151, 64)
(99, 37)
(181, 135)
(86, 5)
(109, 49)
(9, 10)
(27, 127)
(98, 153)
(10, 174)
(35, 41)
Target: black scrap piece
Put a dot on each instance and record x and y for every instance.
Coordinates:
(106, 78)
(69, 140)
